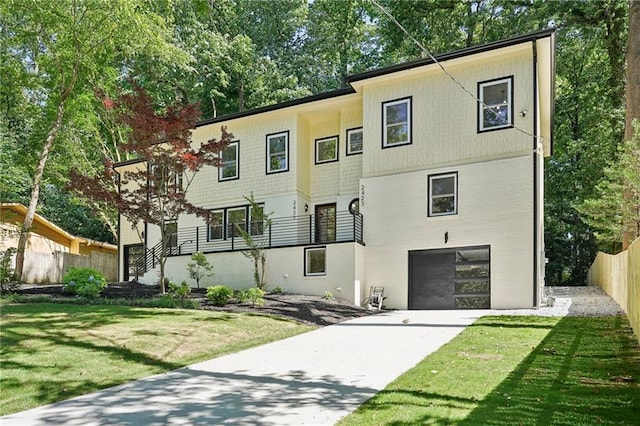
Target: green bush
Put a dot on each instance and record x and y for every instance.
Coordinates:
(219, 295)
(328, 295)
(179, 292)
(254, 296)
(277, 290)
(8, 280)
(85, 282)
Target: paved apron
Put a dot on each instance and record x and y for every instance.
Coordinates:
(315, 378)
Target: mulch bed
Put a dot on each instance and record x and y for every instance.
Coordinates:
(314, 310)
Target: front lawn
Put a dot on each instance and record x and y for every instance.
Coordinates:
(519, 371)
(51, 352)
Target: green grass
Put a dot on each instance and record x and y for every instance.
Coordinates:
(519, 371)
(51, 352)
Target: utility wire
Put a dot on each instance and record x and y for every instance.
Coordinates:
(426, 51)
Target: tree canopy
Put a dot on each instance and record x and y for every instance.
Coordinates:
(60, 59)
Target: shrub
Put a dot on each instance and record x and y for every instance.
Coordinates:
(328, 295)
(219, 295)
(277, 290)
(85, 282)
(179, 292)
(8, 280)
(254, 296)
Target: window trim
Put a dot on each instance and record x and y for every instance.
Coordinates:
(481, 108)
(221, 225)
(226, 234)
(268, 151)
(306, 261)
(430, 195)
(350, 132)
(409, 101)
(326, 139)
(221, 168)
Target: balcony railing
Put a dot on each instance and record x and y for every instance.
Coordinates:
(281, 232)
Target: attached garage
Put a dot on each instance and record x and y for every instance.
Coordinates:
(451, 278)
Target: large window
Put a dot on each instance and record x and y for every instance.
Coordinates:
(226, 223)
(278, 152)
(315, 261)
(354, 141)
(495, 109)
(396, 122)
(327, 150)
(443, 194)
(229, 169)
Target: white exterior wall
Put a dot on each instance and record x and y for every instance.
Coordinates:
(284, 268)
(495, 207)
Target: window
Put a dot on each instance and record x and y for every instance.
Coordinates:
(315, 261)
(443, 194)
(256, 219)
(278, 152)
(224, 223)
(354, 206)
(216, 225)
(167, 178)
(171, 234)
(495, 111)
(229, 168)
(327, 150)
(396, 122)
(354, 141)
(236, 218)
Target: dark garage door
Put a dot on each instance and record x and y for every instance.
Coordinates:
(457, 278)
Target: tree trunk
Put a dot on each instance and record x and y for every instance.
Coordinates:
(35, 191)
(632, 89)
(37, 178)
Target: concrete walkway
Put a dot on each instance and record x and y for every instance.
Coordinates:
(315, 378)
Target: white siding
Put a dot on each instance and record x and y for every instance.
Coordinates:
(495, 205)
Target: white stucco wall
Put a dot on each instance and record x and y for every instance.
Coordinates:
(495, 205)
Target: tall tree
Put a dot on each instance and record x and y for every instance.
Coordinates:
(155, 193)
(59, 48)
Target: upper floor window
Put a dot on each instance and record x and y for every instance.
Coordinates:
(495, 109)
(396, 122)
(166, 179)
(327, 150)
(443, 194)
(278, 152)
(229, 169)
(354, 141)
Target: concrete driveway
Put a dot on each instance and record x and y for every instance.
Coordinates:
(315, 378)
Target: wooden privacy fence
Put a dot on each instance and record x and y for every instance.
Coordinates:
(619, 276)
(49, 268)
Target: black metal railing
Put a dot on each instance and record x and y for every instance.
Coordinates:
(278, 232)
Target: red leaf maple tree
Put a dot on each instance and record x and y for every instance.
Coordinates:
(153, 190)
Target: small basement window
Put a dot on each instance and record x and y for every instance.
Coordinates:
(315, 261)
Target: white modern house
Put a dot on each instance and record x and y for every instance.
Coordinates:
(429, 184)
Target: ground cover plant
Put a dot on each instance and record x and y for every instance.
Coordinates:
(519, 371)
(51, 352)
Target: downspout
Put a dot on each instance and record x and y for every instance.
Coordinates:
(536, 207)
(120, 251)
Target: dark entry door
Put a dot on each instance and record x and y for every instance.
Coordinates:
(456, 278)
(131, 255)
(325, 223)
(431, 276)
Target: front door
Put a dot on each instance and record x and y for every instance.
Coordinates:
(325, 223)
(131, 255)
